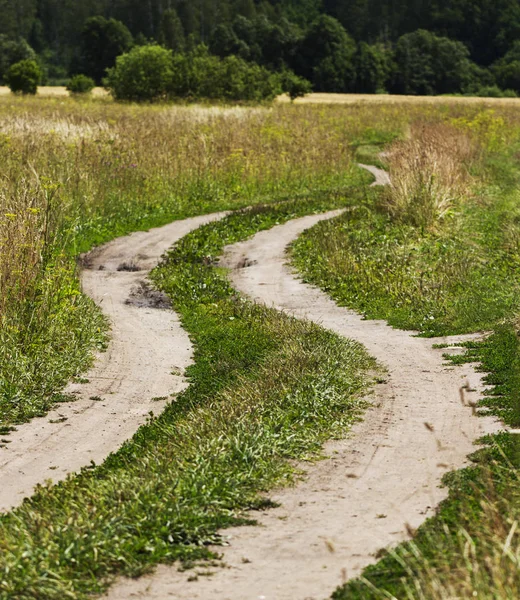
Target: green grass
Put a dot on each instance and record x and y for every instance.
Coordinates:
(264, 388)
(461, 278)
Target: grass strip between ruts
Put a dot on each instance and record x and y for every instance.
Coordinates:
(264, 388)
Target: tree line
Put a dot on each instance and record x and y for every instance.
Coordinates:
(366, 46)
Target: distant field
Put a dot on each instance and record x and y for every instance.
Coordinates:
(49, 91)
(56, 91)
(385, 98)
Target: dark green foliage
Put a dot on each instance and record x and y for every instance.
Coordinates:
(13, 51)
(373, 67)
(326, 56)
(81, 84)
(172, 32)
(102, 42)
(23, 77)
(295, 86)
(428, 64)
(149, 73)
(270, 33)
(507, 69)
(143, 74)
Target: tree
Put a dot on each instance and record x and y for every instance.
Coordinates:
(80, 84)
(102, 42)
(172, 33)
(24, 77)
(428, 64)
(507, 69)
(143, 74)
(295, 86)
(326, 56)
(373, 68)
(224, 41)
(13, 51)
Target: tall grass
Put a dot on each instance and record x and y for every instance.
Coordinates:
(429, 173)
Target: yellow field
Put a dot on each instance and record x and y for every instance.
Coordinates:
(318, 98)
(390, 98)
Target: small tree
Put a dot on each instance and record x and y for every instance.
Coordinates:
(13, 51)
(102, 41)
(80, 84)
(24, 77)
(144, 74)
(295, 86)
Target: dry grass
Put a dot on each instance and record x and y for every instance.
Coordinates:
(384, 99)
(429, 173)
(488, 551)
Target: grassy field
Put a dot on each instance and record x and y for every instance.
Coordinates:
(438, 252)
(78, 174)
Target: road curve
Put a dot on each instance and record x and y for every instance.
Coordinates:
(145, 360)
(379, 484)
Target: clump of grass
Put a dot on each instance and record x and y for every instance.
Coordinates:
(436, 282)
(45, 321)
(429, 174)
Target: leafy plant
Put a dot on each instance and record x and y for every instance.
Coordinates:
(81, 84)
(23, 77)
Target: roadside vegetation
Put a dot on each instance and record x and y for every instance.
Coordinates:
(264, 388)
(437, 252)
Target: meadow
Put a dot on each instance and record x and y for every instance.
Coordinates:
(438, 252)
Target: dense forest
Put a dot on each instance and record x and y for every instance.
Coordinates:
(400, 46)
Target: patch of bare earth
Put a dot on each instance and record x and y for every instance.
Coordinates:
(377, 485)
(141, 370)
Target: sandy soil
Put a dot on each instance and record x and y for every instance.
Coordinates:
(145, 360)
(378, 485)
(381, 177)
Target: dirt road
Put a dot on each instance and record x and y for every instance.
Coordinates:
(142, 367)
(379, 484)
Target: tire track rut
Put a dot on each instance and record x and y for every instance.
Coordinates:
(379, 484)
(142, 367)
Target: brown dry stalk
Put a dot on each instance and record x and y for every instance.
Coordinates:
(429, 173)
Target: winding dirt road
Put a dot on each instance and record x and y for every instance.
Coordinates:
(378, 485)
(143, 366)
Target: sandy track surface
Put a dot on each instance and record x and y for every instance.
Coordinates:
(381, 177)
(378, 485)
(145, 360)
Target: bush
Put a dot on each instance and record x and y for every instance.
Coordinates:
(143, 74)
(295, 86)
(493, 91)
(149, 73)
(80, 84)
(24, 77)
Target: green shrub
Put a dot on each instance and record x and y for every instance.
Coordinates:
(80, 84)
(149, 73)
(295, 86)
(143, 74)
(493, 91)
(24, 77)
